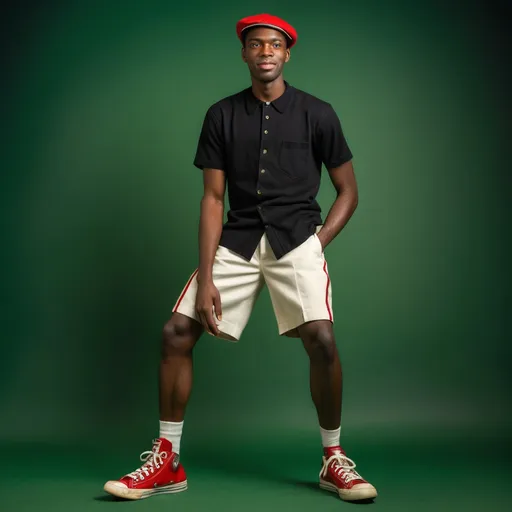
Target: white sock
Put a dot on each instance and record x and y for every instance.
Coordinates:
(172, 432)
(330, 438)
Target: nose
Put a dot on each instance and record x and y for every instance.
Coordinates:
(267, 50)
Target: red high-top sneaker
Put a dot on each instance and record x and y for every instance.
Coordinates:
(338, 475)
(160, 473)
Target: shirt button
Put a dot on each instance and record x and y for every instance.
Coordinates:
(265, 132)
(267, 117)
(262, 171)
(265, 151)
(259, 192)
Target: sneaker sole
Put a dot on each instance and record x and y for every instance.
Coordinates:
(362, 493)
(139, 494)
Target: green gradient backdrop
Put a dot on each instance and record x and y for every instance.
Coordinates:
(99, 204)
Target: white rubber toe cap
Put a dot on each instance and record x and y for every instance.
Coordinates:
(114, 485)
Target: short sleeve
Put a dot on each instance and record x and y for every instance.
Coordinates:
(210, 148)
(331, 144)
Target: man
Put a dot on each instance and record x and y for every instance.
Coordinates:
(268, 144)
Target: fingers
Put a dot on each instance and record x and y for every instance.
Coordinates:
(209, 309)
(212, 324)
(203, 321)
(207, 320)
(218, 306)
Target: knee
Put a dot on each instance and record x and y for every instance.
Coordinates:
(320, 344)
(178, 337)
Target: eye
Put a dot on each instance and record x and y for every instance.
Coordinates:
(253, 45)
(277, 45)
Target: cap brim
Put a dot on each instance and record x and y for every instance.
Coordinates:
(269, 26)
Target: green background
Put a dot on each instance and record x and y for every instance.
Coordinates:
(102, 107)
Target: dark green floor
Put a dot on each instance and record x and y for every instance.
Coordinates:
(413, 474)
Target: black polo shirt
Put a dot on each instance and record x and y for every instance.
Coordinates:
(272, 154)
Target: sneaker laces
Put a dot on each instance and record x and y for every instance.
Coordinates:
(152, 459)
(343, 467)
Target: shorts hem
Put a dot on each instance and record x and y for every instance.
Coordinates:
(228, 331)
(285, 328)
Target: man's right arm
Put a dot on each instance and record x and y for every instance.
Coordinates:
(210, 230)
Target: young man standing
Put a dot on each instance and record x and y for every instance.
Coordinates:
(267, 144)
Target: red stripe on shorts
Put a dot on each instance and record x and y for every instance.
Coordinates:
(185, 290)
(327, 291)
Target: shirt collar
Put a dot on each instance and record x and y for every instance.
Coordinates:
(280, 104)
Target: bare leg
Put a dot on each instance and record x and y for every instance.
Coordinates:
(180, 335)
(325, 371)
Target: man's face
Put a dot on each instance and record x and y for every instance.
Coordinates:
(265, 53)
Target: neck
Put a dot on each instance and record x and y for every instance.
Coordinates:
(268, 91)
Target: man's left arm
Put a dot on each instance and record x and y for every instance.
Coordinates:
(333, 149)
(344, 181)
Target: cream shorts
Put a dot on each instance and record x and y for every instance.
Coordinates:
(298, 283)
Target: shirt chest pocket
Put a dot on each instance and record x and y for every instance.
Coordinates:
(294, 158)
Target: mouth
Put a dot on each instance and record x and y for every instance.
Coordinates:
(266, 65)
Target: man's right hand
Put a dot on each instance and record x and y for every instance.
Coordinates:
(208, 298)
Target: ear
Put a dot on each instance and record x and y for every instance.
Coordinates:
(288, 55)
(243, 54)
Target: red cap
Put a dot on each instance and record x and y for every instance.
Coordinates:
(267, 20)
